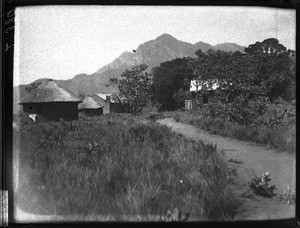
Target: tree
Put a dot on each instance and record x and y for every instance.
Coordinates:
(171, 82)
(227, 69)
(269, 46)
(276, 69)
(134, 87)
(267, 69)
(32, 87)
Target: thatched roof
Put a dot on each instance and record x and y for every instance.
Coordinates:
(49, 92)
(99, 100)
(89, 103)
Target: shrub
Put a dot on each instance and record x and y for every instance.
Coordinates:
(276, 115)
(261, 185)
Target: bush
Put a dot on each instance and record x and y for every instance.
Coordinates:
(261, 185)
(242, 110)
(276, 115)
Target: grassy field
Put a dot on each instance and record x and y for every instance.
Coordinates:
(120, 165)
(282, 137)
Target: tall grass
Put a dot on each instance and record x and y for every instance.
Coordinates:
(116, 165)
(282, 137)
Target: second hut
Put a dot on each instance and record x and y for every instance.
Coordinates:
(90, 106)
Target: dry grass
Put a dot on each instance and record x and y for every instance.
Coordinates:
(118, 166)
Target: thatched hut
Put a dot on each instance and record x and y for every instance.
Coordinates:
(90, 106)
(52, 102)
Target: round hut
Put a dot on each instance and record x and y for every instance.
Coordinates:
(90, 106)
(52, 102)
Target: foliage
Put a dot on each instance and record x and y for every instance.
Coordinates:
(118, 165)
(134, 87)
(150, 112)
(32, 87)
(268, 46)
(282, 137)
(261, 185)
(241, 110)
(171, 81)
(267, 69)
(277, 114)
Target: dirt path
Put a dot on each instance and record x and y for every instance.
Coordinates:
(255, 160)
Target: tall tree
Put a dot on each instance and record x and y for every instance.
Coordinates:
(134, 87)
(276, 68)
(171, 83)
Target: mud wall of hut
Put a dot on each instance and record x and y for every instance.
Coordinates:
(32, 108)
(58, 110)
(94, 112)
(115, 108)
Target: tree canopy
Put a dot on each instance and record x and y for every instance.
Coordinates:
(269, 46)
(171, 83)
(134, 87)
(267, 69)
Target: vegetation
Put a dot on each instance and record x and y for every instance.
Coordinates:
(261, 185)
(120, 165)
(171, 83)
(134, 87)
(281, 136)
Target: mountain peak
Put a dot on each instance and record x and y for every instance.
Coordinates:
(165, 37)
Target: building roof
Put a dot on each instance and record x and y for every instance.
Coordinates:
(49, 92)
(89, 103)
(100, 100)
(103, 95)
(113, 97)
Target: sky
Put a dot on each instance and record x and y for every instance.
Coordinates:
(60, 42)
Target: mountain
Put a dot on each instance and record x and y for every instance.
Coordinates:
(229, 47)
(152, 53)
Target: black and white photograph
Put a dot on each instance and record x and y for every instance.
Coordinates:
(154, 113)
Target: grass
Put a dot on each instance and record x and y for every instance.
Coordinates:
(282, 138)
(118, 165)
